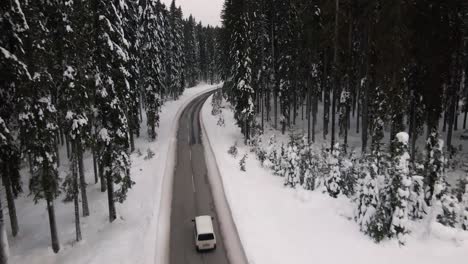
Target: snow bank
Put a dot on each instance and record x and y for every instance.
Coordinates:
(277, 224)
(140, 232)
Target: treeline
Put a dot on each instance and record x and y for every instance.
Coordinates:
(80, 74)
(396, 64)
(393, 66)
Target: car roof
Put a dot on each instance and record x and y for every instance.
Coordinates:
(204, 224)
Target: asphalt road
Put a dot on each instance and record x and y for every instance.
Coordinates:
(191, 192)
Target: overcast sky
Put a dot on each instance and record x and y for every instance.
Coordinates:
(206, 11)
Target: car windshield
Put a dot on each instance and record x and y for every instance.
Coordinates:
(203, 237)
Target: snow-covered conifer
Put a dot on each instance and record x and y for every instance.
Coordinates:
(15, 76)
(112, 91)
(400, 183)
(152, 68)
(367, 196)
(464, 205)
(333, 180)
(417, 207)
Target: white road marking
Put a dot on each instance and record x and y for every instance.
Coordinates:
(193, 183)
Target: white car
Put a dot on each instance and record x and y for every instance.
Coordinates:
(205, 237)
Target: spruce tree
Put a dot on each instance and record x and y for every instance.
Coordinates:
(15, 75)
(464, 205)
(333, 180)
(38, 114)
(368, 196)
(111, 94)
(400, 183)
(152, 67)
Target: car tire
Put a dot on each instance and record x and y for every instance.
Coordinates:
(214, 247)
(197, 248)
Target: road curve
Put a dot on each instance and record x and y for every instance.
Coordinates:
(191, 193)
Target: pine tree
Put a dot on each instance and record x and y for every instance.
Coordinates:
(400, 183)
(38, 115)
(368, 196)
(131, 22)
(112, 91)
(333, 182)
(190, 52)
(39, 128)
(152, 66)
(417, 207)
(15, 74)
(175, 52)
(242, 94)
(464, 213)
(434, 164)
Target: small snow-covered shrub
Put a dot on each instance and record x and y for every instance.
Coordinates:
(149, 154)
(349, 172)
(367, 198)
(460, 188)
(417, 207)
(221, 121)
(379, 225)
(261, 155)
(233, 150)
(138, 152)
(216, 109)
(450, 208)
(242, 162)
(464, 205)
(333, 180)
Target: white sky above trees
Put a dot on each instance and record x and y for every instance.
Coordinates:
(206, 11)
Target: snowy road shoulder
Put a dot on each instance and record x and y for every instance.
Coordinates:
(283, 225)
(233, 244)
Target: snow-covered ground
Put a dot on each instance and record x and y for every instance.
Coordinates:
(278, 224)
(132, 237)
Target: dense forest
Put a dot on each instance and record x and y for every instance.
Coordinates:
(397, 70)
(82, 75)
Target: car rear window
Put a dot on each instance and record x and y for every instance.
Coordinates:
(204, 237)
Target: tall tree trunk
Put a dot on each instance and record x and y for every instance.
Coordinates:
(132, 139)
(57, 142)
(31, 168)
(358, 110)
(444, 127)
(412, 125)
(326, 97)
(308, 111)
(96, 176)
(314, 116)
(101, 176)
(110, 195)
(76, 190)
(465, 117)
(10, 199)
(53, 225)
(275, 80)
(451, 118)
(333, 117)
(268, 105)
(335, 74)
(62, 141)
(67, 142)
(4, 247)
(263, 108)
(455, 122)
(84, 196)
